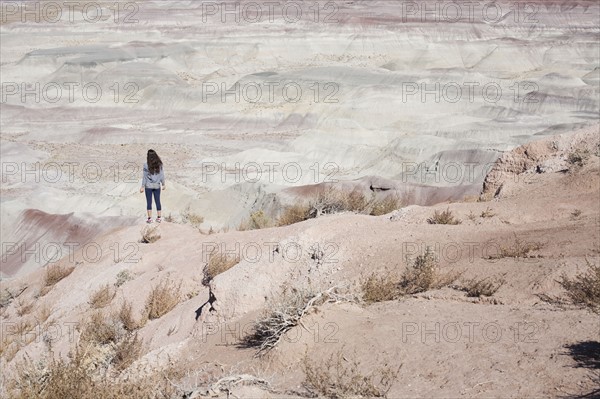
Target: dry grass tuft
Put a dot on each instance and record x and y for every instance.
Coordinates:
(380, 287)
(342, 378)
(257, 220)
(100, 329)
(55, 273)
(424, 275)
(162, 299)
(43, 313)
(23, 307)
(386, 205)
(218, 263)
(102, 297)
(294, 214)
(584, 289)
(150, 234)
(518, 249)
(488, 213)
(445, 217)
(188, 217)
(127, 350)
(481, 287)
(125, 316)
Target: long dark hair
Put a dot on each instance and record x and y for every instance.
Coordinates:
(154, 162)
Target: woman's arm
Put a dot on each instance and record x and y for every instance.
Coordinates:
(144, 175)
(162, 177)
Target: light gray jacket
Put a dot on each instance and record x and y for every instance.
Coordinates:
(153, 181)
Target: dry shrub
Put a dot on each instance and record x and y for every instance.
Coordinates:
(282, 315)
(424, 275)
(488, 213)
(43, 313)
(380, 287)
(576, 214)
(481, 287)
(354, 201)
(107, 341)
(125, 316)
(100, 329)
(294, 214)
(445, 217)
(343, 378)
(386, 205)
(578, 157)
(102, 297)
(127, 350)
(22, 327)
(58, 379)
(162, 299)
(218, 263)
(23, 307)
(188, 217)
(150, 234)
(330, 201)
(122, 277)
(518, 249)
(55, 273)
(9, 349)
(257, 220)
(584, 289)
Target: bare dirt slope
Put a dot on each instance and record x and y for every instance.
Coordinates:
(526, 340)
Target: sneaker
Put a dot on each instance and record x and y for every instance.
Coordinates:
(158, 219)
(149, 220)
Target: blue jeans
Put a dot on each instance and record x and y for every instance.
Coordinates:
(149, 193)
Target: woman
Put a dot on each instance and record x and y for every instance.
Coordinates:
(151, 181)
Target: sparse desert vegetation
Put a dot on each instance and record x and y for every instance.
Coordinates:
(326, 202)
(283, 314)
(189, 217)
(162, 299)
(488, 213)
(425, 274)
(578, 157)
(55, 273)
(381, 286)
(294, 214)
(125, 316)
(444, 217)
(477, 287)
(102, 297)
(584, 289)
(341, 376)
(422, 274)
(122, 277)
(519, 248)
(257, 220)
(55, 378)
(217, 263)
